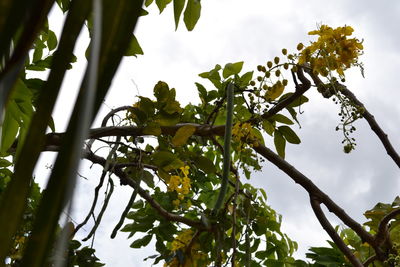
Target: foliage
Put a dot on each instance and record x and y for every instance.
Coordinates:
(176, 158)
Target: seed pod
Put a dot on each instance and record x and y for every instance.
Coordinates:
(300, 46)
(284, 51)
(259, 67)
(277, 73)
(286, 66)
(269, 64)
(276, 60)
(252, 83)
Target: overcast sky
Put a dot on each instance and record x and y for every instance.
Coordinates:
(254, 32)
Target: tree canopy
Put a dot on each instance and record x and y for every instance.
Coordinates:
(189, 167)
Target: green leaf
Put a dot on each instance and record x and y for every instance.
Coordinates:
(280, 144)
(192, 14)
(161, 4)
(258, 134)
(182, 135)
(213, 76)
(161, 91)
(148, 2)
(166, 160)
(268, 127)
(245, 79)
(202, 92)
(64, 5)
(178, 8)
(37, 54)
(9, 131)
(282, 119)
(205, 164)
(51, 40)
(289, 134)
(298, 101)
(148, 178)
(134, 48)
(4, 163)
(147, 105)
(293, 113)
(232, 69)
(141, 242)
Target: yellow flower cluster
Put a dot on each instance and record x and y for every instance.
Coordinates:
(182, 240)
(192, 255)
(244, 131)
(333, 51)
(181, 185)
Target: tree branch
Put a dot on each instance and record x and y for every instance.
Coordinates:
(126, 180)
(370, 260)
(382, 234)
(315, 204)
(367, 116)
(374, 126)
(313, 190)
(300, 90)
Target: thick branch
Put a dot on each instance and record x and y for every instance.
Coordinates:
(315, 204)
(383, 234)
(314, 191)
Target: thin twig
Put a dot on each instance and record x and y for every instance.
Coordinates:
(370, 260)
(126, 180)
(103, 209)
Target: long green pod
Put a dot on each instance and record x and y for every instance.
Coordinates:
(227, 148)
(20, 23)
(60, 187)
(13, 202)
(118, 23)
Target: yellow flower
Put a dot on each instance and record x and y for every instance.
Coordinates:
(185, 170)
(181, 185)
(333, 51)
(174, 182)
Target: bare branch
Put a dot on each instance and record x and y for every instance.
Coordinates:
(315, 204)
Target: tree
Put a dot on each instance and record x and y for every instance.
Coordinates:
(192, 200)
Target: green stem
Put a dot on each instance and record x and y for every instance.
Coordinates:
(227, 148)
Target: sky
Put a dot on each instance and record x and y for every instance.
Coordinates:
(255, 31)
